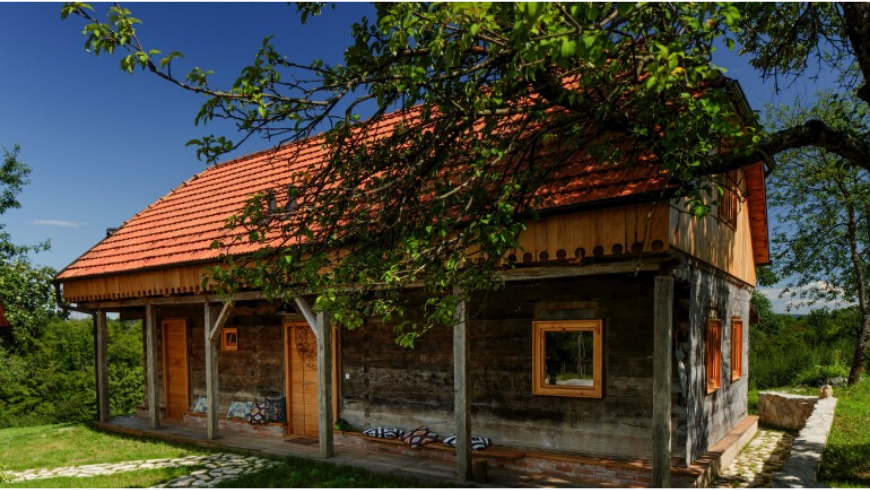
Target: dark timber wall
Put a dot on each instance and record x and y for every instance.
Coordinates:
(384, 384)
(252, 373)
(713, 416)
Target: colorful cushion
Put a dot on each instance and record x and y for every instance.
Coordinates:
(240, 410)
(384, 432)
(419, 437)
(276, 409)
(477, 443)
(258, 414)
(200, 405)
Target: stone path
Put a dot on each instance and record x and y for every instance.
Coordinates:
(217, 468)
(760, 459)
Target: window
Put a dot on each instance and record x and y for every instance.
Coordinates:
(230, 339)
(736, 348)
(567, 358)
(713, 355)
(729, 202)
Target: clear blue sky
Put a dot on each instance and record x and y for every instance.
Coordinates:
(104, 144)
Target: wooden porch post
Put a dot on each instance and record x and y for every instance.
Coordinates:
(324, 382)
(102, 368)
(461, 400)
(151, 362)
(661, 427)
(211, 373)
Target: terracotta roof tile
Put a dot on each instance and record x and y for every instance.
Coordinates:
(180, 227)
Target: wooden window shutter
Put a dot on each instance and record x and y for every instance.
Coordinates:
(736, 348)
(713, 355)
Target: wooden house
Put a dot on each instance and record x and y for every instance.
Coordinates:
(619, 345)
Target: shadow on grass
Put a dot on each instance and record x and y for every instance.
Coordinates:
(303, 473)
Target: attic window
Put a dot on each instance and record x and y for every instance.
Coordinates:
(567, 358)
(729, 202)
(290, 203)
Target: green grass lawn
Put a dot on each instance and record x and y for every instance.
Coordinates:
(129, 479)
(846, 462)
(52, 446)
(303, 473)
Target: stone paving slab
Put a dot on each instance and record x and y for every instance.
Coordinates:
(755, 466)
(217, 467)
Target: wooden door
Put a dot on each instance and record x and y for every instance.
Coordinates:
(175, 374)
(301, 378)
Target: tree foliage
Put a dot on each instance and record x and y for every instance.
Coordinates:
(823, 244)
(25, 289)
(494, 100)
(53, 379)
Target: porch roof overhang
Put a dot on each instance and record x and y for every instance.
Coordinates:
(519, 273)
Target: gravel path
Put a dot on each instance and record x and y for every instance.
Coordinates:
(760, 459)
(217, 467)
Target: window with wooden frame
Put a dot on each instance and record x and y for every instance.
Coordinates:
(567, 358)
(713, 355)
(736, 348)
(729, 201)
(229, 339)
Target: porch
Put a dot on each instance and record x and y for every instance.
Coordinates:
(533, 469)
(279, 447)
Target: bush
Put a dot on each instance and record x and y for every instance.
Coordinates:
(791, 351)
(53, 379)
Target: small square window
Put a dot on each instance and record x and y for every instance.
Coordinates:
(567, 358)
(230, 339)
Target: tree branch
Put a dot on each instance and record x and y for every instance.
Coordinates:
(813, 133)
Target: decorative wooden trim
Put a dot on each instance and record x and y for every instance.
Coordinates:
(736, 348)
(713, 355)
(229, 339)
(539, 329)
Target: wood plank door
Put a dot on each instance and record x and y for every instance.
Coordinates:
(301, 378)
(175, 373)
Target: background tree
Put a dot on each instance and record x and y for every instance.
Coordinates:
(497, 99)
(25, 289)
(822, 246)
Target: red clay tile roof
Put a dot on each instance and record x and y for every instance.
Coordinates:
(180, 227)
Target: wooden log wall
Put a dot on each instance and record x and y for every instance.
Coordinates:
(252, 373)
(711, 416)
(384, 384)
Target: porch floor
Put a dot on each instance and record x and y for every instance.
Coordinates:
(394, 464)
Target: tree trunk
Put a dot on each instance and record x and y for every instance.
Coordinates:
(861, 285)
(859, 359)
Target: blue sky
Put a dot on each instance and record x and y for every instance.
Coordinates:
(104, 144)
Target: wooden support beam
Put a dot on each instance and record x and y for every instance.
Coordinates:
(309, 316)
(102, 367)
(324, 381)
(215, 330)
(211, 373)
(461, 399)
(150, 325)
(661, 426)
